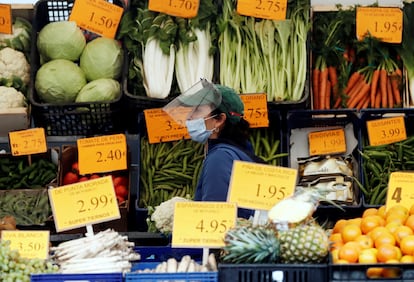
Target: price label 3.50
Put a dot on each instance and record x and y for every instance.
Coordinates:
(29, 243)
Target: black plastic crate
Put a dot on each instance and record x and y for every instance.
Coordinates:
(273, 272)
(301, 122)
(367, 173)
(73, 118)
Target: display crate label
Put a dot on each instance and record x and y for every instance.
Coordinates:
(386, 130)
(260, 186)
(384, 23)
(97, 16)
(6, 19)
(255, 109)
(84, 203)
(102, 154)
(272, 10)
(178, 8)
(28, 141)
(30, 243)
(202, 224)
(327, 142)
(400, 190)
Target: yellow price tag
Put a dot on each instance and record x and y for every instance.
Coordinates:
(98, 16)
(102, 153)
(84, 203)
(30, 244)
(380, 22)
(327, 142)
(255, 109)
(272, 10)
(177, 8)
(28, 141)
(202, 224)
(386, 130)
(400, 190)
(162, 128)
(260, 186)
(6, 19)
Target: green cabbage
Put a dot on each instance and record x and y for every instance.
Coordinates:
(100, 90)
(102, 58)
(59, 81)
(60, 40)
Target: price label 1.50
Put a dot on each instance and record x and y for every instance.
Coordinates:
(386, 130)
(400, 189)
(202, 224)
(84, 203)
(272, 10)
(178, 8)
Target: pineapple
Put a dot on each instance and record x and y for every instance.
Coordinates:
(307, 243)
(248, 244)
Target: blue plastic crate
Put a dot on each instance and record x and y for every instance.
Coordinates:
(87, 277)
(170, 277)
(163, 253)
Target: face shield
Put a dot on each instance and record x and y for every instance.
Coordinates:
(197, 102)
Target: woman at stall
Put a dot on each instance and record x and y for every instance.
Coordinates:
(213, 115)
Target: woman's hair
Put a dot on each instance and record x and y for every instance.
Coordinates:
(237, 132)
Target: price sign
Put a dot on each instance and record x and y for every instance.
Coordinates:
(102, 153)
(98, 16)
(272, 10)
(255, 109)
(28, 141)
(6, 19)
(380, 22)
(202, 224)
(386, 130)
(260, 186)
(327, 142)
(30, 244)
(162, 128)
(177, 8)
(400, 190)
(84, 203)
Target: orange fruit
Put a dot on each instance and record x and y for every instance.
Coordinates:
(349, 252)
(335, 240)
(407, 259)
(369, 222)
(401, 232)
(367, 256)
(378, 231)
(365, 241)
(384, 238)
(335, 255)
(381, 211)
(411, 210)
(386, 252)
(392, 226)
(369, 211)
(339, 225)
(356, 221)
(397, 209)
(399, 218)
(410, 222)
(350, 232)
(407, 245)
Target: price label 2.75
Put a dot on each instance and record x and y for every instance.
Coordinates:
(273, 9)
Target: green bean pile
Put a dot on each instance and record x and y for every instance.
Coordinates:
(266, 144)
(377, 164)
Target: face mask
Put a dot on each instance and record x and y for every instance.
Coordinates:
(197, 130)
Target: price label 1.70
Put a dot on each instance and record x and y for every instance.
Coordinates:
(178, 8)
(202, 224)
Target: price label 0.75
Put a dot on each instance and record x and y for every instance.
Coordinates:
(384, 23)
(177, 8)
(28, 141)
(260, 186)
(272, 10)
(327, 142)
(30, 244)
(386, 130)
(102, 153)
(255, 109)
(400, 190)
(202, 224)
(5, 18)
(84, 203)
(97, 16)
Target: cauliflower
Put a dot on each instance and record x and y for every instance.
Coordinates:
(163, 215)
(19, 39)
(11, 98)
(13, 66)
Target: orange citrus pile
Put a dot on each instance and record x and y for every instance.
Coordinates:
(380, 235)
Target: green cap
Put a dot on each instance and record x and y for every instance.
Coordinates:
(231, 103)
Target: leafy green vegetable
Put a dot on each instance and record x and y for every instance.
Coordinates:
(100, 90)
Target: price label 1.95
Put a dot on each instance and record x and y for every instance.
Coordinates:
(102, 153)
(30, 244)
(28, 141)
(84, 203)
(260, 186)
(178, 8)
(202, 224)
(386, 130)
(400, 190)
(272, 10)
